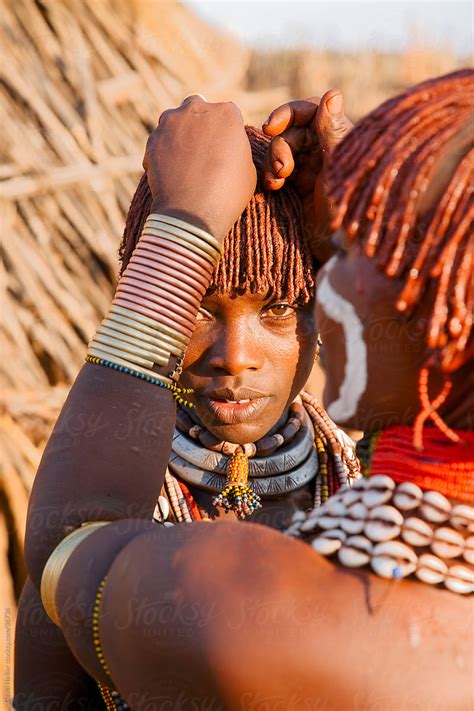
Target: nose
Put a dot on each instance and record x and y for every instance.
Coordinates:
(236, 349)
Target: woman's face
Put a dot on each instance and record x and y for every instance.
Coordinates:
(248, 358)
(375, 351)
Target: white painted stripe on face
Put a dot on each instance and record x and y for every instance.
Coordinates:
(355, 372)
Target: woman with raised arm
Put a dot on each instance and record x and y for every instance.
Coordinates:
(381, 618)
(249, 355)
(255, 618)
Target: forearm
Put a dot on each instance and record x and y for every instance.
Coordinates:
(46, 673)
(105, 459)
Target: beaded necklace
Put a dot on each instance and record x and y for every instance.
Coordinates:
(398, 519)
(328, 458)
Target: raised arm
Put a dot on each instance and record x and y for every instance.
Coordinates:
(107, 455)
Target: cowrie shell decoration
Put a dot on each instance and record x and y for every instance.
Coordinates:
(399, 530)
(384, 523)
(435, 507)
(355, 552)
(393, 559)
(378, 490)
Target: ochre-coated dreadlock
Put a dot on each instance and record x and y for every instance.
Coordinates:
(265, 252)
(380, 177)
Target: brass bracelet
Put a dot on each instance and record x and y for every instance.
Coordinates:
(117, 321)
(56, 563)
(188, 240)
(107, 349)
(141, 340)
(147, 321)
(206, 236)
(130, 347)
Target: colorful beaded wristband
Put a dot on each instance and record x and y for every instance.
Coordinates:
(176, 391)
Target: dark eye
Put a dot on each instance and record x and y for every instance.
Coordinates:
(280, 310)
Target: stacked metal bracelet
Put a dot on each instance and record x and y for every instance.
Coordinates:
(154, 309)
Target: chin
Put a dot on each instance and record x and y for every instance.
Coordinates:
(239, 433)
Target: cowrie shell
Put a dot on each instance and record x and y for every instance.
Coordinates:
(407, 496)
(352, 526)
(431, 569)
(393, 559)
(336, 508)
(354, 521)
(328, 542)
(462, 518)
(468, 554)
(384, 523)
(447, 543)
(351, 496)
(298, 516)
(310, 524)
(360, 484)
(328, 522)
(355, 552)
(164, 507)
(168, 524)
(459, 580)
(378, 490)
(343, 488)
(435, 507)
(417, 532)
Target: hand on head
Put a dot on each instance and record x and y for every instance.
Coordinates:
(304, 135)
(199, 164)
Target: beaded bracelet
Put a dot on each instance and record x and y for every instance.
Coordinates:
(95, 627)
(177, 392)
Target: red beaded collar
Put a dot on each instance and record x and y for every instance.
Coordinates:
(444, 466)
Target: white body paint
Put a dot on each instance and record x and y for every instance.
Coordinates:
(355, 372)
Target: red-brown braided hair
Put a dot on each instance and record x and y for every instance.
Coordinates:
(266, 251)
(382, 174)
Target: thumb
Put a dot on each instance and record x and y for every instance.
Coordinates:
(331, 122)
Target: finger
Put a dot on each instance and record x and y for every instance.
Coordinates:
(273, 183)
(294, 113)
(283, 150)
(331, 122)
(299, 139)
(281, 161)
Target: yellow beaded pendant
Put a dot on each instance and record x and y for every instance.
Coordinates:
(236, 495)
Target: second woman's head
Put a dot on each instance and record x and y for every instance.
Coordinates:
(254, 342)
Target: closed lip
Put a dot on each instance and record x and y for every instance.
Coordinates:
(233, 406)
